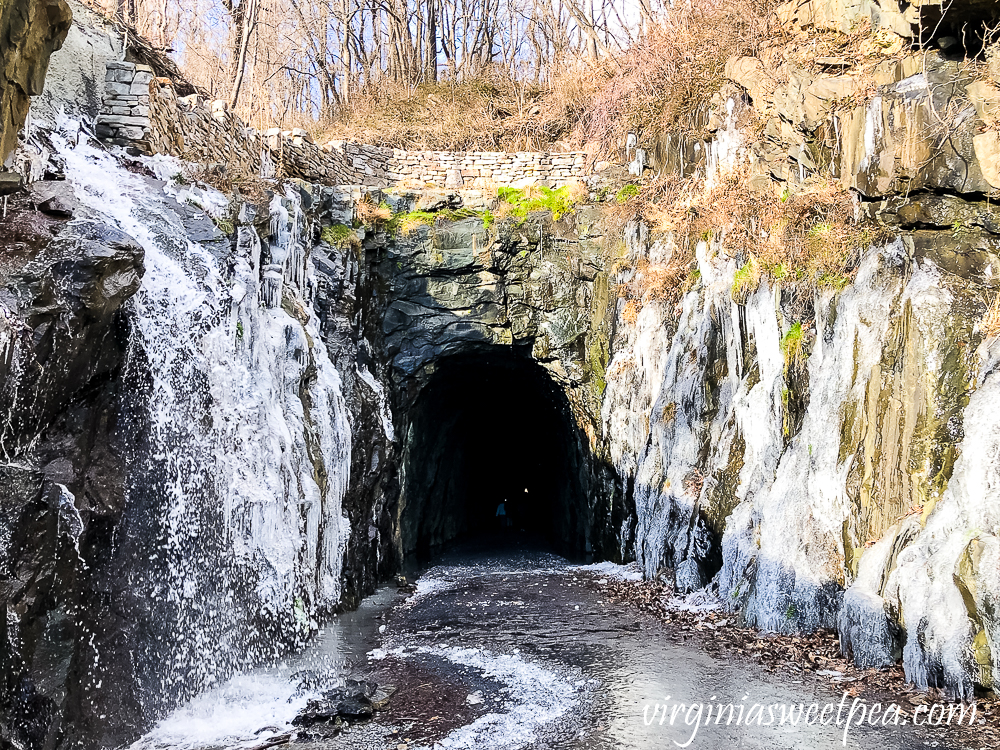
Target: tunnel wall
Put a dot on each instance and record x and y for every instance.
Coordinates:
(531, 295)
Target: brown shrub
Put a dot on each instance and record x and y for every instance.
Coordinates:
(368, 213)
(991, 321)
(666, 79)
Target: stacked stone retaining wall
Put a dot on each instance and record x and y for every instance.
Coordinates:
(156, 120)
(125, 113)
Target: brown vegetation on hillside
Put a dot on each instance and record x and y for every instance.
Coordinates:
(492, 112)
(666, 79)
(809, 236)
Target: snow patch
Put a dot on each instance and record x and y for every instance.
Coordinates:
(630, 572)
(539, 696)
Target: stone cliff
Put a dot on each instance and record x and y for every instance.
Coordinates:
(230, 412)
(30, 32)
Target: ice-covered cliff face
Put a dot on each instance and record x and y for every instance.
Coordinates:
(782, 467)
(232, 535)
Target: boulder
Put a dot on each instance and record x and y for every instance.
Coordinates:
(985, 97)
(352, 702)
(987, 146)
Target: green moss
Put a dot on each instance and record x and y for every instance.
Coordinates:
(627, 193)
(338, 235)
(745, 281)
(791, 345)
(408, 222)
(604, 194)
(691, 281)
(836, 281)
(524, 201)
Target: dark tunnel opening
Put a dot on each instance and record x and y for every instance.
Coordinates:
(491, 426)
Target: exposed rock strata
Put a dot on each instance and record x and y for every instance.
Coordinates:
(850, 490)
(29, 33)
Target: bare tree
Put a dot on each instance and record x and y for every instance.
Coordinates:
(279, 60)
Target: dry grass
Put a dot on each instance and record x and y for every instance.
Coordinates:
(808, 235)
(807, 238)
(494, 112)
(656, 282)
(990, 326)
(369, 214)
(666, 80)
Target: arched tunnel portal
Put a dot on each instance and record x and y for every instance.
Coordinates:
(491, 425)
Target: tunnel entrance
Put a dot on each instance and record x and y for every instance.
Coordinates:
(488, 426)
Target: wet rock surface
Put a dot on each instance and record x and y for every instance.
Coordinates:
(478, 613)
(64, 287)
(352, 702)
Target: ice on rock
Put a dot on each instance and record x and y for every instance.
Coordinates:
(726, 496)
(947, 581)
(245, 458)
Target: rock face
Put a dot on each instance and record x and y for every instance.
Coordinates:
(29, 33)
(63, 336)
(852, 490)
(529, 300)
(74, 83)
(222, 421)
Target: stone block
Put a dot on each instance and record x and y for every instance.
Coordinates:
(113, 88)
(131, 133)
(138, 89)
(119, 120)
